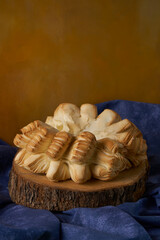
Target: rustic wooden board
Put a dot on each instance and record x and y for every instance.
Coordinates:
(36, 191)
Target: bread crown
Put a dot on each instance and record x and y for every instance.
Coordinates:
(76, 144)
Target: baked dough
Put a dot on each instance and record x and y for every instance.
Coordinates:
(75, 143)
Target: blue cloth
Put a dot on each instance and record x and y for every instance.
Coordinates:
(137, 221)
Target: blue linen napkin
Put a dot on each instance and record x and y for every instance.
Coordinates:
(131, 220)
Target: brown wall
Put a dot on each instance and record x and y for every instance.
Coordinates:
(54, 51)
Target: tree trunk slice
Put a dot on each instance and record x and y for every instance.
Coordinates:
(36, 191)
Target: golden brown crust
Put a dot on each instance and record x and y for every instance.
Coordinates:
(108, 165)
(31, 126)
(59, 145)
(58, 171)
(21, 140)
(83, 148)
(111, 145)
(77, 144)
(35, 137)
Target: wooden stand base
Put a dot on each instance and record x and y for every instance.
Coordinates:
(36, 191)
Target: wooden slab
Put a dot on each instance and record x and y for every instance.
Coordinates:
(36, 191)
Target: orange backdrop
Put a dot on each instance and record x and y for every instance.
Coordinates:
(75, 51)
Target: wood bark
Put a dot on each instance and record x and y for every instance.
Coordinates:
(36, 191)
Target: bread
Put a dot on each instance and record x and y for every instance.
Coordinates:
(77, 144)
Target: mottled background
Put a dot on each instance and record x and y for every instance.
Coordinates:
(78, 51)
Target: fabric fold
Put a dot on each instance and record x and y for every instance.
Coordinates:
(134, 220)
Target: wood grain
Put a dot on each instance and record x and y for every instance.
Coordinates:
(36, 191)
